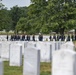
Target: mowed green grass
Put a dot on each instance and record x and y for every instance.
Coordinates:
(45, 69)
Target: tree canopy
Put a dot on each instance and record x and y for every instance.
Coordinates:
(41, 16)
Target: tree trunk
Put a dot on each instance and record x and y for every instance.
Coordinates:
(75, 31)
(62, 31)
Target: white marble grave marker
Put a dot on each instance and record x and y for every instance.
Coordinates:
(1, 67)
(0, 48)
(31, 44)
(45, 51)
(64, 62)
(23, 45)
(15, 55)
(56, 45)
(5, 50)
(68, 45)
(31, 61)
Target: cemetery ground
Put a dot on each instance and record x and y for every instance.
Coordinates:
(45, 69)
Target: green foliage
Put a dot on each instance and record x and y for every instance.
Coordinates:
(5, 20)
(44, 29)
(41, 16)
(62, 15)
(22, 25)
(16, 13)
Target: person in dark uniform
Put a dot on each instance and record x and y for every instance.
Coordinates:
(7, 37)
(28, 38)
(23, 37)
(18, 37)
(62, 37)
(50, 38)
(33, 38)
(40, 37)
(72, 37)
(12, 37)
(54, 37)
(58, 37)
(75, 37)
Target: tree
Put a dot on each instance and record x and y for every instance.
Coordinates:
(5, 20)
(22, 25)
(41, 16)
(37, 15)
(16, 13)
(62, 15)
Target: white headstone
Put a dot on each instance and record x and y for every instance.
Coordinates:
(31, 44)
(23, 45)
(0, 48)
(15, 55)
(45, 51)
(53, 46)
(64, 62)
(31, 61)
(1, 67)
(5, 50)
(59, 44)
(68, 45)
(56, 45)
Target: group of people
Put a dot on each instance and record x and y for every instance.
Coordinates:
(40, 37)
(20, 37)
(63, 37)
(23, 38)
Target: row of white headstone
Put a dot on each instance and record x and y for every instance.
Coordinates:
(32, 57)
(63, 61)
(46, 49)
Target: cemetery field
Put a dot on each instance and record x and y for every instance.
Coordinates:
(45, 68)
(12, 70)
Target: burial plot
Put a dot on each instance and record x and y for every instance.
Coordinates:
(5, 50)
(64, 62)
(31, 61)
(15, 55)
(1, 67)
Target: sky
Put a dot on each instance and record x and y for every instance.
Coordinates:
(11, 3)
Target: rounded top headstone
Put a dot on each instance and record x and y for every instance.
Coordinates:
(68, 45)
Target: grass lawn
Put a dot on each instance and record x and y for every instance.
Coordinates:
(45, 69)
